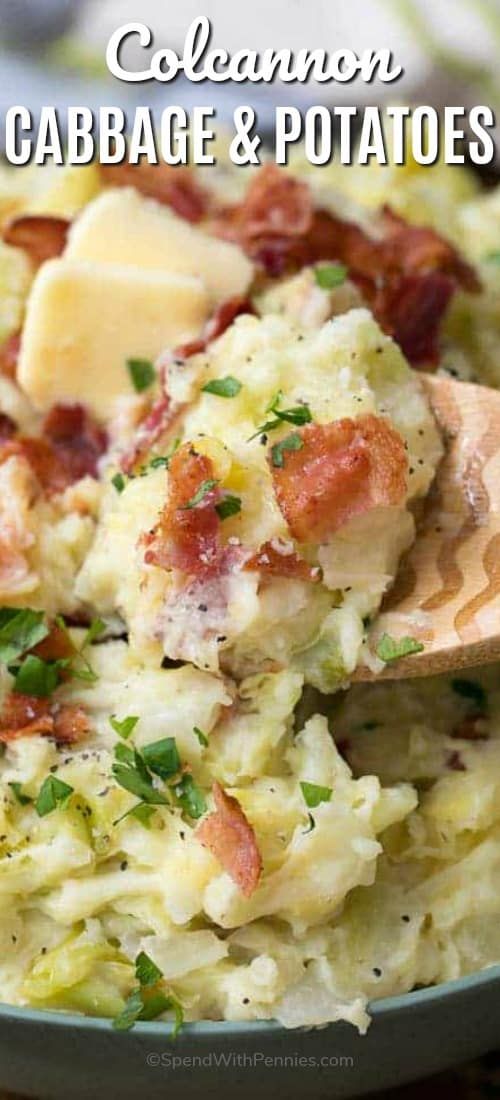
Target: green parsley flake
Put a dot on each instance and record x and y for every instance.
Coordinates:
(142, 373)
(146, 971)
(190, 797)
(20, 630)
(134, 779)
(119, 482)
(202, 737)
(37, 677)
(313, 794)
(52, 793)
(229, 506)
(17, 791)
(328, 276)
(162, 758)
(223, 387)
(205, 488)
(291, 442)
(124, 726)
(392, 649)
(297, 414)
(130, 1013)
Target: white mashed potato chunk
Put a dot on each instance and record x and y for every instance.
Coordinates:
(248, 622)
(87, 886)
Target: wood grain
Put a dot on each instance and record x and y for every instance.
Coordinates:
(447, 592)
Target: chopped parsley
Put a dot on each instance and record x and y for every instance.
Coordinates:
(20, 630)
(133, 776)
(470, 689)
(297, 414)
(291, 442)
(146, 971)
(313, 794)
(124, 726)
(190, 797)
(392, 649)
(203, 491)
(79, 666)
(162, 758)
(229, 506)
(142, 373)
(328, 276)
(147, 1001)
(17, 791)
(119, 482)
(52, 793)
(37, 677)
(202, 737)
(223, 387)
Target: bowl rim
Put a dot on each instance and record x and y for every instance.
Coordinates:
(378, 1009)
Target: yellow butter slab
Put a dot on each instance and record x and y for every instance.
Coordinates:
(85, 320)
(122, 227)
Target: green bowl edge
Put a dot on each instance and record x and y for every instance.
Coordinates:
(379, 1009)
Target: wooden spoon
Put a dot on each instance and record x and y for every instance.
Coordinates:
(447, 591)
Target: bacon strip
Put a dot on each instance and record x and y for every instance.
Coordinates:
(342, 470)
(42, 237)
(174, 186)
(187, 538)
(8, 427)
(230, 838)
(69, 449)
(28, 716)
(280, 560)
(407, 268)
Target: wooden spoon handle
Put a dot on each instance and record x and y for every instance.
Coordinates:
(447, 592)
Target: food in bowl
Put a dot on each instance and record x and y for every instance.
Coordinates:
(214, 443)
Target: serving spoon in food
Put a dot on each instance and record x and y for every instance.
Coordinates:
(447, 592)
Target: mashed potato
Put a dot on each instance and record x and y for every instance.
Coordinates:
(199, 819)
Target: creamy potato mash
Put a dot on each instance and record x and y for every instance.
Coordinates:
(213, 444)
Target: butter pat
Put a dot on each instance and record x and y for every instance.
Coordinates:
(120, 226)
(85, 320)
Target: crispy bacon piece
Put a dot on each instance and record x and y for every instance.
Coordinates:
(230, 838)
(69, 449)
(280, 560)
(216, 325)
(8, 427)
(187, 538)
(174, 186)
(343, 469)
(27, 716)
(41, 236)
(9, 355)
(71, 723)
(407, 274)
(56, 646)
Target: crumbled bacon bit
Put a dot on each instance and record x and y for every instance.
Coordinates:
(405, 268)
(472, 728)
(41, 236)
(9, 355)
(174, 186)
(282, 561)
(187, 538)
(230, 838)
(455, 763)
(8, 427)
(221, 319)
(28, 716)
(342, 470)
(68, 450)
(56, 646)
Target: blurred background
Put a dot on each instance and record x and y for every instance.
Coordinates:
(53, 50)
